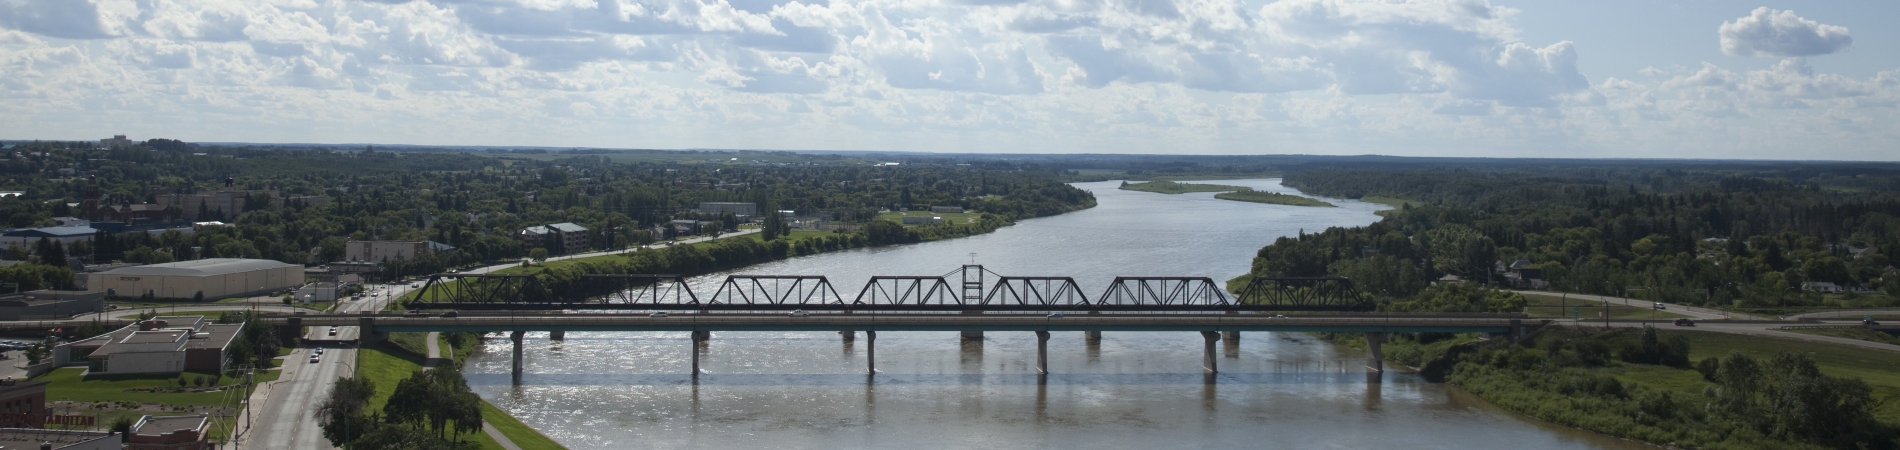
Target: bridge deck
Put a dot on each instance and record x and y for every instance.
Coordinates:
(921, 322)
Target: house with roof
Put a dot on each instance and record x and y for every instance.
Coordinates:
(570, 238)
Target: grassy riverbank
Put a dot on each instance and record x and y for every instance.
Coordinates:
(1170, 187)
(1675, 388)
(1250, 195)
(386, 365)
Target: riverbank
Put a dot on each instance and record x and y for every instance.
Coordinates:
(1171, 188)
(1667, 388)
(1272, 198)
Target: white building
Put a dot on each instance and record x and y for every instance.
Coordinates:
(384, 251)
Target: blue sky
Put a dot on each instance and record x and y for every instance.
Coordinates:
(1532, 78)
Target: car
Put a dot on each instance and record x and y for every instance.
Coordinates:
(315, 358)
(798, 313)
(1279, 316)
(319, 350)
(451, 314)
(333, 331)
(1869, 322)
(1659, 305)
(1055, 315)
(413, 313)
(1684, 322)
(414, 285)
(657, 314)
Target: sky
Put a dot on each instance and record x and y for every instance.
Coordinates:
(1729, 79)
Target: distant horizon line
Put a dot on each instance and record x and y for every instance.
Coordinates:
(919, 152)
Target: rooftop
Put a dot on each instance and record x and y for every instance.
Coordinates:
(160, 425)
(31, 438)
(202, 267)
(153, 337)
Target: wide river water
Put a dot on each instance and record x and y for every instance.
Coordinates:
(1132, 391)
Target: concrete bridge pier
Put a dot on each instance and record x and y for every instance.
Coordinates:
(699, 339)
(366, 332)
(1375, 357)
(848, 336)
(516, 337)
(1232, 337)
(972, 335)
(557, 335)
(870, 352)
(1042, 352)
(1092, 337)
(1207, 360)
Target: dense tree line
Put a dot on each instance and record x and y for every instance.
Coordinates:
(475, 201)
(1747, 237)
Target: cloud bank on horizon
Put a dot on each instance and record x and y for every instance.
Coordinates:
(1409, 77)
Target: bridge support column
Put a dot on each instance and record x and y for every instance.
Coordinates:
(972, 335)
(1042, 352)
(699, 339)
(516, 337)
(848, 336)
(557, 335)
(1207, 360)
(1232, 337)
(1375, 357)
(1092, 337)
(1517, 331)
(870, 352)
(366, 333)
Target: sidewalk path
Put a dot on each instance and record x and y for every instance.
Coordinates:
(1696, 312)
(435, 355)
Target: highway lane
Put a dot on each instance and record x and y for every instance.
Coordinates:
(1757, 329)
(1696, 313)
(285, 419)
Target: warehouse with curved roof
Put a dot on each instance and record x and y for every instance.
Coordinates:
(212, 278)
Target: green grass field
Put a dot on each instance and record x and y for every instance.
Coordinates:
(1879, 368)
(1850, 333)
(1543, 305)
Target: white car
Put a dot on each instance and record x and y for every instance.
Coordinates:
(799, 313)
(657, 314)
(315, 358)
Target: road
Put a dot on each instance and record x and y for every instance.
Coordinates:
(1855, 314)
(1765, 329)
(284, 418)
(175, 310)
(1697, 313)
(488, 269)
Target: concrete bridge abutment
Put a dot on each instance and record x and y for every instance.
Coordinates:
(972, 335)
(557, 335)
(1042, 352)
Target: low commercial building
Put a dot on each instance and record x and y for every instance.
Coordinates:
(162, 345)
(22, 404)
(736, 208)
(946, 209)
(62, 235)
(168, 433)
(384, 251)
(210, 278)
(49, 304)
(30, 438)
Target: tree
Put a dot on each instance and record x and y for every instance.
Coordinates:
(538, 254)
(343, 415)
(37, 353)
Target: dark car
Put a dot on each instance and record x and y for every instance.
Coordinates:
(1685, 322)
(1869, 322)
(450, 314)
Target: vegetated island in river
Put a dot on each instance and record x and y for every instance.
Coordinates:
(1226, 192)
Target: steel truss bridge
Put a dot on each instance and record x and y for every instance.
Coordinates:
(969, 288)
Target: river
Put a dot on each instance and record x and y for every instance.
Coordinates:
(1132, 391)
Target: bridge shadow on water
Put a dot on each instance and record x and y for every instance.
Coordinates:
(858, 379)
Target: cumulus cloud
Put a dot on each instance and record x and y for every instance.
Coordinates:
(1079, 75)
(71, 19)
(1770, 32)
